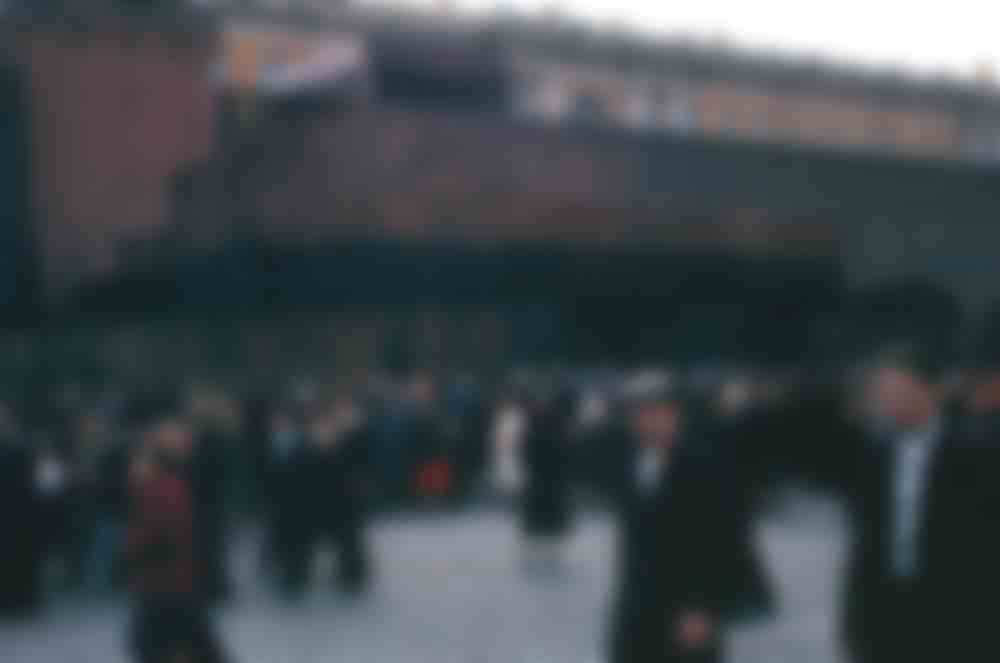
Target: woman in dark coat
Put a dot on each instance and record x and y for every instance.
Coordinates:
(20, 509)
(546, 506)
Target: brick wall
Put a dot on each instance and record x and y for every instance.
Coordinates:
(116, 112)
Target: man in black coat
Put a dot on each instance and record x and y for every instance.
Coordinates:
(740, 423)
(922, 576)
(20, 555)
(676, 540)
(111, 500)
(209, 475)
(546, 509)
(337, 478)
(286, 499)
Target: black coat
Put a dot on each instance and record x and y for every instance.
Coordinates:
(20, 511)
(546, 506)
(951, 614)
(112, 489)
(209, 474)
(287, 492)
(338, 482)
(676, 553)
(736, 443)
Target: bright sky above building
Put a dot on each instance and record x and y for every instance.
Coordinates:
(956, 37)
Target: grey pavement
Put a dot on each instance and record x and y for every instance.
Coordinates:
(452, 589)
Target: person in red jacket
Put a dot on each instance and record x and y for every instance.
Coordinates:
(170, 621)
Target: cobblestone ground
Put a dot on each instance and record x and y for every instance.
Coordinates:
(451, 589)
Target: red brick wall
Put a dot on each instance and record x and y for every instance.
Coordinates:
(379, 172)
(116, 114)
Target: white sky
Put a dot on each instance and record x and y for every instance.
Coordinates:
(952, 36)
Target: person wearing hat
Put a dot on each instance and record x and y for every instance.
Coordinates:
(676, 539)
(546, 502)
(170, 622)
(921, 578)
(337, 481)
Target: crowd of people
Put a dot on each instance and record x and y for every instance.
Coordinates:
(105, 489)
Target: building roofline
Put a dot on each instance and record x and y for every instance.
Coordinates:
(564, 37)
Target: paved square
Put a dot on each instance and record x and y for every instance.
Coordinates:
(450, 589)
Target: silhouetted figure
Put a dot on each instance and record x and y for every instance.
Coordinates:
(111, 501)
(427, 442)
(20, 554)
(740, 431)
(546, 506)
(210, 471)
(60, 508)
(468, 420)
(675, 555)
(287, 509)
(337, 477)
(922, 578)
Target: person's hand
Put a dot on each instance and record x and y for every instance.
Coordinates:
(693, 629)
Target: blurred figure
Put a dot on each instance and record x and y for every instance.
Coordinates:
(21, 552)
(546, 508)
(507, 433)
(60, 513)
(170, 622)
(388, 419)
(468, 423)
(922, 578)
(676, 539)
(216, 427)
(257, 411)
(742, 427)
(110, 498)
(337, 479)
(428, 447)
(287, 508)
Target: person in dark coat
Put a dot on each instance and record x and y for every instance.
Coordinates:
(676, 539)
(468, 421)
(287, 509)
(546, 507)
(170, 621)
(209, 474)
(922, 577)
(20, 554)
(257, 415)
(338, 480)
(111, 498)
(739, 428)
(60, 507)
(427, 441)
(210, 480)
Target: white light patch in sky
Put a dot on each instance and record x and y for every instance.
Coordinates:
(954, 37)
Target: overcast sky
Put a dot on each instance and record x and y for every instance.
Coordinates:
(941, 36)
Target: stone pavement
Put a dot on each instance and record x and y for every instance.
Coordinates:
(451, 589)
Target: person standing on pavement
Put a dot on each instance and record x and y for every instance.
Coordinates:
(677, 538)
(170, 621)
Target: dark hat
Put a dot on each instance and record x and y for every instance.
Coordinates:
(147, 408)
(924, 360)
